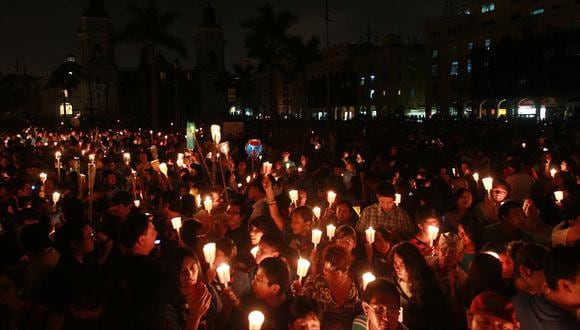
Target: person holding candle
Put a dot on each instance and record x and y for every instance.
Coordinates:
(487, 209)
(237, 225)
(428, 223)
(381, 305)
(385, 213)
(301, 226)
(510, 228)
(424, 304)
(470, 231)
(334, 289)
(463, 201)
(377, 254)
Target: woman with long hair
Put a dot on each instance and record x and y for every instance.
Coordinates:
(462, 202)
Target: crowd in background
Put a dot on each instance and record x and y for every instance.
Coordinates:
(404, 202)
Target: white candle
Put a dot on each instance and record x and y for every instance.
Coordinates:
(432, 232)
(553, 172)
(216, 135)
(179, 160)
(198, 201)
(316, 236)
(163, 168)
(208, 204)
(256, 319)
(293, 196)
(330, 197)
(209, 253)
(487, 183)
(176, 223)
(248, 179)
(43, 177)
(223, 272)
(330, 230)
(302, 268)
(266, 168)
(92, 158)
(367, 278)
(370, 234)
(126, 158)
(523, 144)
(400, 315)
(397, 199)
(475, 176)
(225, 148)
(137, 203)
(254, 251)
(55, 197)
(57, 155)
(454, 171)
(316, 210)
(559, 195)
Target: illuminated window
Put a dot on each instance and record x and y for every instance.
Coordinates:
(469, 66)
(487, 43)
(537, 11)
(69, 109)
(454, 69)
(399, 92)
(470, 45)
(487, 7)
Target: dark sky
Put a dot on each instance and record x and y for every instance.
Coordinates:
(39, 33)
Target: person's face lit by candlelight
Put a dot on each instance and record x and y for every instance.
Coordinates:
(309, 322)
(400, 268)
(346, 241)
(255, 235)
(299, 226)
(188, 274)
(507, 265)
(499, 194)
(386, 203)
(265, 251)
(343, 213)
(465, 200)
(381, 245)
(383, 314)
(261, 286)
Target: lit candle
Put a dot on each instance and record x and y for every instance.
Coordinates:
(330, 197)
(254, 251)
(302, 268)
(370, 234)
(553, 172)
(225, 148)
(266, 168)
(330, 230)
(198, 201)
(559, 195)
(487, 183)
(209, 250)
(454, 171)
(43, 177)
(208, 204)
(493, 254)
(126, 158)
(163, 168)
(248, 179)
(400, 315)
(216, 135)
(176, 223)
(179, 160)
(523, 145)
(137, 203)
(256, 320)
(367, 278)
(57, 155)
(397, 199)
(55, 197)
(92, 158)
(316, 210)
(316, 236)
(475, 176)
(432, 232)
(293, 196)
(223, 272)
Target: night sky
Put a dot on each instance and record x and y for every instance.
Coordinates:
(39, 33)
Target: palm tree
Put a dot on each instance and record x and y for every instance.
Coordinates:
(267, 40)
(148, 26)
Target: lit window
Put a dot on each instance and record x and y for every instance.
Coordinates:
(384, 92)
(362, 81)
(487, 43)
(537, 11)
(454, 69)
(372, 77)
(399, 92)
(470, 45)
(434, 53)
(469, 65)
(487, 7)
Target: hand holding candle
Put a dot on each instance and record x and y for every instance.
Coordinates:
(55, 197)
(559, 196)
(397, 199)
(223, 272)
(370, 235)
(254, 251)
(256, 319)
(208, 204)
(475, 176)
(176, 223)
(209, 251)
(432, 232)
(553, 172)
(163, 168)
(302, 268)
(487, 184)
(293, 196)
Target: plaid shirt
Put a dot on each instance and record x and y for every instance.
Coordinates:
(396, 220)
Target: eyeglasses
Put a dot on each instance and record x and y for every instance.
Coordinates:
(384, 310)
(345, 240)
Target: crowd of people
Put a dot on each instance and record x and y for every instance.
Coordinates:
(362, 225)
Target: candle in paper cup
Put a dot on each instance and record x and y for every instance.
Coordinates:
(43, 177)
(163, 168)
(454, 171)
(397, 199)
(216, 134)
(179, 160)
(198, 201)
(475, 176)
(248, 179)
(330, 197)
(57, 155)
(293, 196)
(330, 230)
(316, 210)
(559, 195)
(400, 315)
(553, 172)
(487, 183)
(55, 197)
(256, 319)
(208, 204)
(92, 158)
(223, 272)
(316, 236)
(137, 203)
(302, 268)
(254, 251)
(367, 278)
(432, 232)
(176, 223)
(370, 234)
(266, 168)
(209, 253)
(225, 148)
(126, 158)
